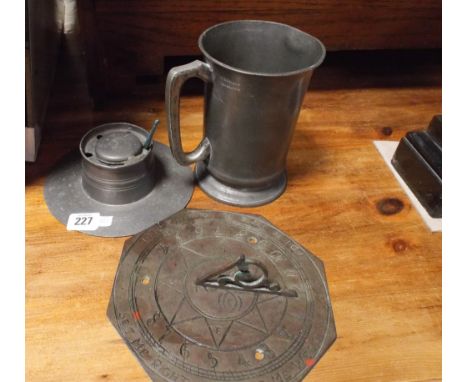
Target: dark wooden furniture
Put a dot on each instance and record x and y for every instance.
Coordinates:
(44, 27)
(126, 42)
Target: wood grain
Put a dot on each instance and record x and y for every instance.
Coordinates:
(384, 271)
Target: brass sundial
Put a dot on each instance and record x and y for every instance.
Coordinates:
(208, 295)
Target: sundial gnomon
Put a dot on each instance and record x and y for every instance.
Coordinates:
(219, 296)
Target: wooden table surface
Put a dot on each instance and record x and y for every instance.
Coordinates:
(384, 271)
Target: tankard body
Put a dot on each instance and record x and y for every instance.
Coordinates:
(256, 75)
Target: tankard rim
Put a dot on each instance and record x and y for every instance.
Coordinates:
(316, 64)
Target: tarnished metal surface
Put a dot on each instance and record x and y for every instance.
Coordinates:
(117, 175)
(256, 75)
(244, 275)
(181, 331)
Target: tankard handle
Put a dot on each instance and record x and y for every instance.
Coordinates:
(175, 79)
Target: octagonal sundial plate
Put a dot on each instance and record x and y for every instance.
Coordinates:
(183, 326)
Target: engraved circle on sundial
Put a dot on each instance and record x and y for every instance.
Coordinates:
(218, 319)
(203, 323)
(183, 332)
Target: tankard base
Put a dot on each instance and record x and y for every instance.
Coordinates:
(241, 197)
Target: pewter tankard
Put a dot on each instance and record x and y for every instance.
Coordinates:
(256, 75)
